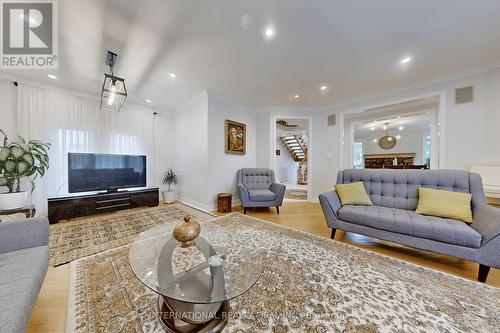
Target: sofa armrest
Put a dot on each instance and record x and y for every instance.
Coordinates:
(23, 233)
(488, 253)
(244, 195)
(279, 190)
(486, 221)
(330, 203)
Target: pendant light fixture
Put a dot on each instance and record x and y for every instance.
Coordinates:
(387, 141)
(114, 92)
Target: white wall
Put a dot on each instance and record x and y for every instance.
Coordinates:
(199, 149)
(190, 146)
(222, 167)
(163, 151)
(412, 141)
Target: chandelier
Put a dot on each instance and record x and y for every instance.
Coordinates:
(387, 141)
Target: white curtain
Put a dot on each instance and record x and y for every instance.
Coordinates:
(76, 124)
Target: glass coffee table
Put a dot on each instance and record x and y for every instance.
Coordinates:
(194, 283)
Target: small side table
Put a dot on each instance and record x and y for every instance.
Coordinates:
(28, 211)
(224, 202)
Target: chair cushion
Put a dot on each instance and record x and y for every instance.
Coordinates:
(261, 195)
(409, 223)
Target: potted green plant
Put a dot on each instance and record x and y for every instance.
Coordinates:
(169, 178)
(19, 160)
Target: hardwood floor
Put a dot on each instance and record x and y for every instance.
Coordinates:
(49, 314)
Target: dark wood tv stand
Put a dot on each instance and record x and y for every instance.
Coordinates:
(65, 208)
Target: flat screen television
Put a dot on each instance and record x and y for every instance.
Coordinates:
(105, 172)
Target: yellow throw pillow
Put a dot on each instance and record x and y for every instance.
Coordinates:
(353, 194)
(447, 204)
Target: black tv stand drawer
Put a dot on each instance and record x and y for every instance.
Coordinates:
(85, 205)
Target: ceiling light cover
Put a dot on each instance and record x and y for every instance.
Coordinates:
(52, 76)
(172, 75)
(406, 60)
(269, 32)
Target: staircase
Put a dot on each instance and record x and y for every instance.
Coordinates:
(296, 146)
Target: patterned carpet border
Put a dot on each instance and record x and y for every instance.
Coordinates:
(341, 288)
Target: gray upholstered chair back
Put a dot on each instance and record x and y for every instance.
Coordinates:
(256, 178)
(399, 188)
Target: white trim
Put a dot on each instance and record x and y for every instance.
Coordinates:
(310, 149)
(437, 135)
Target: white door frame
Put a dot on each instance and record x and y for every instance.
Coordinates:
(309, 148)
(438, 130)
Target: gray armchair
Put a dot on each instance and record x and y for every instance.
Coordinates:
(258, 188)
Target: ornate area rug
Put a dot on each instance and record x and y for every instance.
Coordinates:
(75, 239)
(308, 284)
(296, 194)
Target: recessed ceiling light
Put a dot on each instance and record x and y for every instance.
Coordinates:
(296, 96)
(384, 128)
(372, 128)
(269, 32)
(323, 88)
(406, 60)
(374, 140)
(148, 101)
(172, 75)
(401, 128)
(398, 137)
(52, 76)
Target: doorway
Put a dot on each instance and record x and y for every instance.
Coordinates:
(291, 156)
(404, 135)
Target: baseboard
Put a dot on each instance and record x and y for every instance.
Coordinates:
(204, 207)
(195, 204)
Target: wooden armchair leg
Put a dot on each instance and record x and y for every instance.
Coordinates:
(333, 233)
(483, 273)
(278, 209)
(244, 210)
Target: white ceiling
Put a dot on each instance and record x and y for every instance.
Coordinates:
(354, 47)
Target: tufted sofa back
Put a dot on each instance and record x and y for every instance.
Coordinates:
(256, 178)
(399, 188)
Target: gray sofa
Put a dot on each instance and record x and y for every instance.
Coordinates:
(394, 194)
(24, 257)
(258, 188)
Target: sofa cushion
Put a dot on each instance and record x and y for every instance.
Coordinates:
(353, 194)
(409, 223)
(21, 276)
(261, 195)
(452, 205)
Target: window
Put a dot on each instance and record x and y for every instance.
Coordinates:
(357, 149)
(427, 150)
